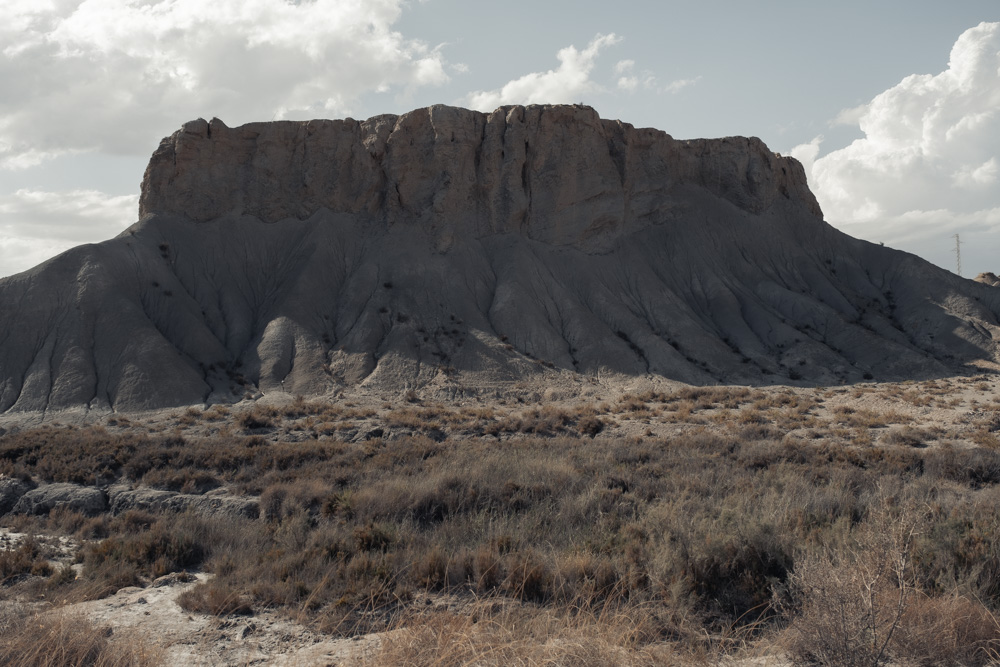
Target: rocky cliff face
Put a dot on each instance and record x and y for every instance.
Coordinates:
(462, 251)
(556, 174)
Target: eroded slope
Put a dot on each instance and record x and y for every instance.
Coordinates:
(453, 249)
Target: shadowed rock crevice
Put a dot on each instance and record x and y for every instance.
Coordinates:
(451, 247)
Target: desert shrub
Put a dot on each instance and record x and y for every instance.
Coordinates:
(530, 577)
(184, 480)
(907, 436)
(65, 520)
(24, 559)
(373, 537)
(751, 416)
(851, 602)
(271, 502)
(589, 576)
(255, 420)
(959, 548)
(93, 528)
(154, 553)
(211, 598)
(80, 455)
(432, 568)
(708, 397)
(976, 468)
(545, 421)
(590, 425)
(470, 483)
(312, 496)
(488, 569)
(106, 579)
(730, 569)
(216, 412)
(132, 521)
(62, 576)
(145, 546)
(985, 438)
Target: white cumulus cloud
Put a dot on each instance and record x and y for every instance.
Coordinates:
(624, 66)
(929, 161)
(680, 84)
(116, 75)
(626, 79)
(629, 81)
(570, 82)
(851, 116)
(35, 224)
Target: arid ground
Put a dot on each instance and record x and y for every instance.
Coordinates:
(640, 523)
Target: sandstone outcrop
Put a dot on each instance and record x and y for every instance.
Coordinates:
(450, 248)
(155, 500)
(19, 497)
(11, 490)
(43, 499)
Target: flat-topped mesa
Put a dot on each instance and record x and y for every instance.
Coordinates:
(457, 253)
(558, 174)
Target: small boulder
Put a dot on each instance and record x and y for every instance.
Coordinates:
(233, 507)
(173, 579)
(157, 500)
(122, 499)
(11, 490)
(42, 500)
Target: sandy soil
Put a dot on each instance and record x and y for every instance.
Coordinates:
(198, 639)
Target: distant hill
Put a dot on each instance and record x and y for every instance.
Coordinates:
(447, 243)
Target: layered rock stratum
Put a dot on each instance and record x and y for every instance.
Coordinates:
(452, 248)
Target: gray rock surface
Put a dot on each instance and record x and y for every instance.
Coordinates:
(556, 174)
(11, 490)
(123, 499)
(42, 500)
(451, 248)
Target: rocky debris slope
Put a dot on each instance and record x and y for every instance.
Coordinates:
(454, 250)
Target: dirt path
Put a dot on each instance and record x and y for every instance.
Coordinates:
(153, 614)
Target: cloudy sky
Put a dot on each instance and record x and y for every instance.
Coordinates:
(893, 106)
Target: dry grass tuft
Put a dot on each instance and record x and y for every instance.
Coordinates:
(495, 632)
(61, 639)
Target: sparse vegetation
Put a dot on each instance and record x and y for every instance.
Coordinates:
(773, 521)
